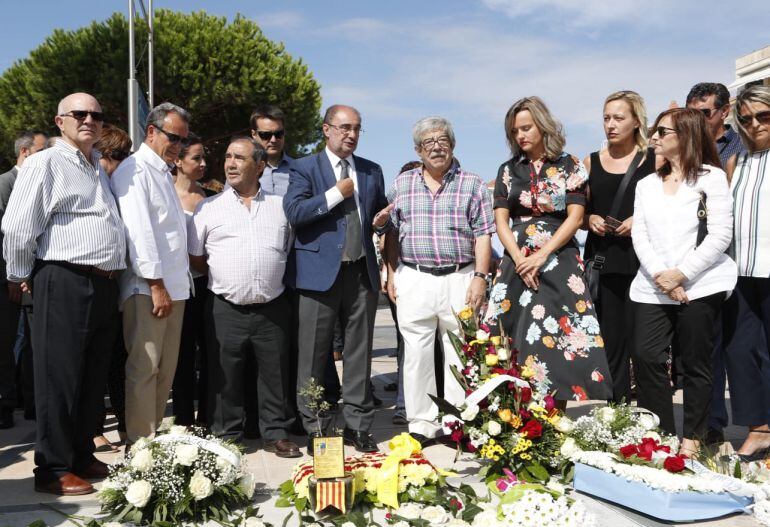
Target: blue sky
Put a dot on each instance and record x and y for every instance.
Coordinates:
(468, 60)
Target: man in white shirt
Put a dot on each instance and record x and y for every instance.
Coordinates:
(157, 282)
(241, 236)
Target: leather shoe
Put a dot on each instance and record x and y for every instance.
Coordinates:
(362, 440)
(94, 470)
(399, 418)
(67, 484)
(283, 448)
(423, 440)
(6, 417)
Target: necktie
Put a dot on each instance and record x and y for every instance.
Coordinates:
(353, 245)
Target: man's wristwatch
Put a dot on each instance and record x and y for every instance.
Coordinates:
(481, 275)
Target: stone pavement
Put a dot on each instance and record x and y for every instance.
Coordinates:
(20, 505)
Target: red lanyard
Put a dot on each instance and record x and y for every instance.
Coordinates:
(533, 189)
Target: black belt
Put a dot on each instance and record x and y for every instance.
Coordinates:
(87, 269)
(437, 271)
(346, 263)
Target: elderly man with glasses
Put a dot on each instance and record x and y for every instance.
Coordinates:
(64, 242)
(157, 283)
(442, 219)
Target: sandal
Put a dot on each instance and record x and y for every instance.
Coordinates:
(103, 445)
(758, 455)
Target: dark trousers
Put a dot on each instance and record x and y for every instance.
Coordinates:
(616, 318)
(718, 418)
(351, 300)
(692, 327)
(233, 334)
(116, 383)
(9, 323)
(22, 350)
(76, 323)
(747, 334)
(188, 386)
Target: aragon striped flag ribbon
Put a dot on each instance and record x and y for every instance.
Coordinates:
(330, 493)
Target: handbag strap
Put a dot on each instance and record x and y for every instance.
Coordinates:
(635, 162)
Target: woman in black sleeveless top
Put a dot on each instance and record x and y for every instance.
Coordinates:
(625, 125)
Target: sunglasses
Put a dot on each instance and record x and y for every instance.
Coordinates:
(80, 115)
(761, 117)
(117, 155)
(265, 136)
(663, 131)
(708, 112)
(172, 138)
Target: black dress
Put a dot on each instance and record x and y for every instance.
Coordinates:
(614, 308)
(557, 323)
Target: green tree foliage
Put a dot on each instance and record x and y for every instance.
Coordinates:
(219, 71)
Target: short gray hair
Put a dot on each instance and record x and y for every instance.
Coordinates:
(26, 140)
(428, 124)
(259, 153)
(159, 113)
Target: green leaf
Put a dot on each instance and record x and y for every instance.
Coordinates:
(457, 345)
(38, 523)
(445, 406)
(470, 511)
(737, 473)
(283, 501)
(538, 471)
(300, 504)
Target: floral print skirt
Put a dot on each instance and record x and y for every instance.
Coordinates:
(557, 323)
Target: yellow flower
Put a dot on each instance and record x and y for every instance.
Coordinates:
(515, 421)
(548, 342)
(527, 372)
(497, 340)
(505, 305)
(531, 229)
(466, 313)
(552, 172)
(505, 415)
(580, 305)
(490, 360)
(599, 341)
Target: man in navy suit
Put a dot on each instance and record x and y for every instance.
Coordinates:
(331, 202)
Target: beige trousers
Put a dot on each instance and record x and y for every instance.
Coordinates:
(152, 344)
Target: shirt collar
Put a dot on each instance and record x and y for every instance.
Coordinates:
(259, 196)
(727, 137)
(285, 160)
(151, 158)
(335, 159)
(64, 147)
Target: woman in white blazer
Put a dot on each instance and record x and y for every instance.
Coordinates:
(683, 279)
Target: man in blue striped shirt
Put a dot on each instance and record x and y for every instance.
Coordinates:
(64, 241)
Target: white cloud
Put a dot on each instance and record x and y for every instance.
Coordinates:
(577, 13)
(280, 20)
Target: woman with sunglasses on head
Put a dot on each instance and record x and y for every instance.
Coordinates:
(115, 146)
(622, 163)
(190, 168)
(747, 312)
(682, 227)
(539, 297)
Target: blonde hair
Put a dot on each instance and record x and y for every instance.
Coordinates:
(552, 130)
(759, 94)
(638, 110)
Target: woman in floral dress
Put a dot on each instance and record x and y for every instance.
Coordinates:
(539, 297)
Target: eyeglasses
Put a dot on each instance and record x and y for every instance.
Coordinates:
(117, 155)
(761, 117)
(172, 138)
(708, 112)
(80, 115)
(348, 129)
(663, 131)
(265, 136)
(430, 144)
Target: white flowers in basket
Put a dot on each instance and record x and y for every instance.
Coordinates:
(180, 476)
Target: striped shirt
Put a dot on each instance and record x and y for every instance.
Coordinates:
(246, 248)
(751, 195)
(61, 209)
(440, 229)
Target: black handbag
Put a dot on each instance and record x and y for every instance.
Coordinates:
(595, 264)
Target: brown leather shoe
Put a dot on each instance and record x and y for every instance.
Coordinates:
(283, 448)
(95, 470)
(68, 484)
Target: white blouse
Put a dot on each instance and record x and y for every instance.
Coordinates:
(751, 194)
(665, 230)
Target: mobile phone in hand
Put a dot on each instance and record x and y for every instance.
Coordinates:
(611, 223)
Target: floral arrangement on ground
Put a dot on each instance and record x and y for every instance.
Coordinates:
(509, 417)
(181, 476)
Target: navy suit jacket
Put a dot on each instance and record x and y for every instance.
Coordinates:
(315, 259)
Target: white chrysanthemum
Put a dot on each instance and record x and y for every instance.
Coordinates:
(569, 448)
(200, 486)
(185, 455)
(503, 353)
(138, 493)
(482, 335)
(565, 425)
(142, 460)
(606, 414)
(140, 444)
(435, 514)
(647, 421)
(494, 428)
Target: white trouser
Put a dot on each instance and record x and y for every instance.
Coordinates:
(425, 303)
